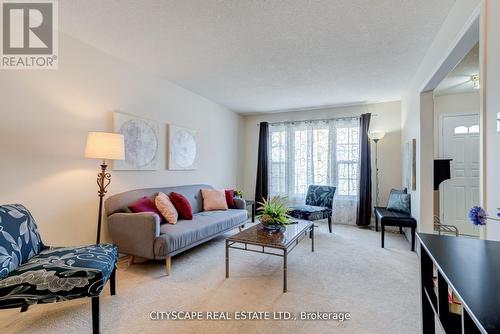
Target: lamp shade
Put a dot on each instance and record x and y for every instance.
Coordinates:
(105, 145)
(376, 135)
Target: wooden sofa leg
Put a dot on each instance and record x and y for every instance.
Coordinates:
(24, 308)
(131, 259)
(112, 283)
(241, 227)
(168, 265)
(96, 321)
(330, 224)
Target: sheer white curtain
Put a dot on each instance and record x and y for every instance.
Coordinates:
(316, 152)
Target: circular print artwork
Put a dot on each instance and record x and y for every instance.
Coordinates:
(183, 149)
(141, 143)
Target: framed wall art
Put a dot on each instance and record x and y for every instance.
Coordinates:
(182, 148)
(141, 142)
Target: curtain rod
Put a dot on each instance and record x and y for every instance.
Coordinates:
(316, 120)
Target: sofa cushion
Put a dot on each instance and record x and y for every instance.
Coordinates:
(19, 237)
(182, 205)
(202, 226)
(214, 199)
(59, 274)
(167, 209)
(399, 202)
(230, 198)
(398, 191)
(145, 204)
(118, 202)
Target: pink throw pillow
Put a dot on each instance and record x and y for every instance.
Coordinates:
(167, 209)
(214, 199)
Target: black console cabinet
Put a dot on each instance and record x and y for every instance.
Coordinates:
(471, 269)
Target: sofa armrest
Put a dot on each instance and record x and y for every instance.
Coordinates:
(135, 233)
(239, 203)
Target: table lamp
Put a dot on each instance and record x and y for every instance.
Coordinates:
(105, 146)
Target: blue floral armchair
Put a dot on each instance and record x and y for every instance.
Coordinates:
(319, 202)
(31, 273)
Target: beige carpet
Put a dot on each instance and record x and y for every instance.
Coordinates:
(348, 272)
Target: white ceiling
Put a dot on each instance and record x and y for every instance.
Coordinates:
(257, 55)
(458, 81)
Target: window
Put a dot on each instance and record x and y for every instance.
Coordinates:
(278, 161)
(474, 129)
(462, 130)
(315, 152)
(347, 145)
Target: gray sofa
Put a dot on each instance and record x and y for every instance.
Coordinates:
(142, 235)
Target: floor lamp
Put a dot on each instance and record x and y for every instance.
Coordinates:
(376, 137)
(105, 146)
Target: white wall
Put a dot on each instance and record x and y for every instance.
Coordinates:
(388, 119)
(421, 125)
(454, 104)
(45, 116)
(491, 106)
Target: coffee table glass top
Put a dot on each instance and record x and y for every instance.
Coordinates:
(257, 235)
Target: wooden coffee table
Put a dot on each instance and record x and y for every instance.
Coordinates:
(281, 243)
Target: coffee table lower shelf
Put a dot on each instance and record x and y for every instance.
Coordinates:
(267, 241)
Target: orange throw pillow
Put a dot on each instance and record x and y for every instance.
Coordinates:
(166, 208)
(214, 199)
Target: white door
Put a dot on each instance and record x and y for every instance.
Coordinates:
(460, 142)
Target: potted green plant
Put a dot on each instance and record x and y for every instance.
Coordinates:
(273, 213)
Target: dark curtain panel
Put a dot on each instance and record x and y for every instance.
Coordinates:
(262, 186)
(364, 212)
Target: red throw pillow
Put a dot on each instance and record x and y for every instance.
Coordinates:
(230, 198)
(182, 205)
(145, 204)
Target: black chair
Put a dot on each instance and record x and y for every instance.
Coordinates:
(31, 273)
(319, 202)
(394, 218)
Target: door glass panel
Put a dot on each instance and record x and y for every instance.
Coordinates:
(460, 130)
(474, 129)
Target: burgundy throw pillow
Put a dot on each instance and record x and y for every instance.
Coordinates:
(182, 205)
(145, 204)
(230, 198)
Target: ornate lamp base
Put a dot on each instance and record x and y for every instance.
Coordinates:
(103, 181)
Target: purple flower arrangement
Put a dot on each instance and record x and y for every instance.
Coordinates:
(478, 216)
